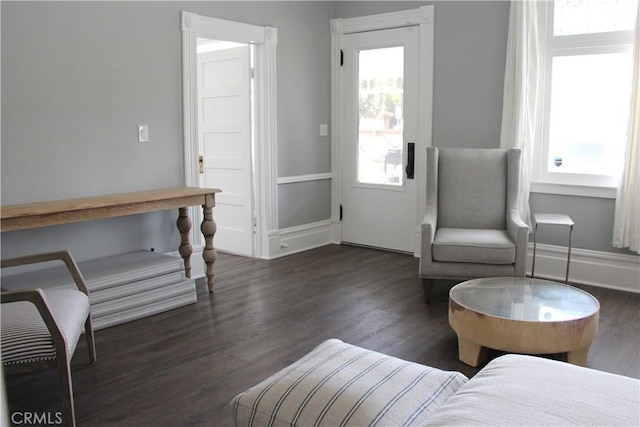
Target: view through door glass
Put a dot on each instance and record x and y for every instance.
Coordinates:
(380, 98)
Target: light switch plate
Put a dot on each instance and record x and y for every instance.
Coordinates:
(324, 130)
(143, 133)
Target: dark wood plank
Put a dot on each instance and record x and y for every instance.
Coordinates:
(183, 367)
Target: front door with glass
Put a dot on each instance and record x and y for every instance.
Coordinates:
(380, 98)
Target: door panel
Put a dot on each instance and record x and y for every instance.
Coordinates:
(224, 127)
(380, 99)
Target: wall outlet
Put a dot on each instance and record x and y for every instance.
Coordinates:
(143, 133)
(324, 130)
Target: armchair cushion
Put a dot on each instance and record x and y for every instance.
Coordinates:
(25, 336)
(473, 246)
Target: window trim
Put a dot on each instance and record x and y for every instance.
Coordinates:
(566, 45)
(573, 190)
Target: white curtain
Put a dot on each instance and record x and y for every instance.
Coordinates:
(522, 90)
(626, 230)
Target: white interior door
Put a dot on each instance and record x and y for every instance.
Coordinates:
(380, 98)
(224, 142)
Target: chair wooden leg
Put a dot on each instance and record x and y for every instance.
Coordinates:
(426, 286)
(64, 372)
(91, 345)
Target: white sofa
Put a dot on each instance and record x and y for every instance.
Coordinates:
(340, 384)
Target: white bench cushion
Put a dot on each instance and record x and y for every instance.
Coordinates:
(516, 390)
(340, 384)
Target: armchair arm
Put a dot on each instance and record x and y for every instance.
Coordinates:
(428, 226)
(64, 256)
(38, 298)
(430, 221)
(428, 232)
(519, 233)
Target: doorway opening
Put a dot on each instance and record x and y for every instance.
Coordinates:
(235, 136)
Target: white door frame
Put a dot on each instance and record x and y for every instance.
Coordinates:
(422, 17)
(264, 39)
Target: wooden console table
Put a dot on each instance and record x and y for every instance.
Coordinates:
(35, 215)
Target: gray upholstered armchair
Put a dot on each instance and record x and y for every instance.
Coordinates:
(472, 227)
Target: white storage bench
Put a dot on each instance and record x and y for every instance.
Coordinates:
(122, 287)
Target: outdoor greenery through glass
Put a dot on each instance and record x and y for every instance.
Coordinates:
(380, 120)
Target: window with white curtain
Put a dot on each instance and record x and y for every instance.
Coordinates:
(587, 84)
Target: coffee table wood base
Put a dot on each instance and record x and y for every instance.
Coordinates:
(471, 353)
(474, 355)
(578, 357)
(478, 332)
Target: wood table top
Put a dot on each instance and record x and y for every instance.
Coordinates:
(31, 215)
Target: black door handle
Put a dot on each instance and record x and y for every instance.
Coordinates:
(411, 155)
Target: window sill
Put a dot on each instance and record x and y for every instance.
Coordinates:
(574, 190)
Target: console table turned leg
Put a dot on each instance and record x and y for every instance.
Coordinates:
(208, 229)
(185, 249)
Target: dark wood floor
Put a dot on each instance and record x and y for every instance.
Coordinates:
(183, 367)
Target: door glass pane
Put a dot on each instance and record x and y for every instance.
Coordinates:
(592, 16)
(380, 123)
(589, 113)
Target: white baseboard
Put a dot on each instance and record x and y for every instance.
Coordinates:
(596, 268)
(284, 242)
(302, 238)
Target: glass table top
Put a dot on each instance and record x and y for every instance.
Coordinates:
(524, 299)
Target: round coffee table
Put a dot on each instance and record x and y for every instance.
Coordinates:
(522, 315)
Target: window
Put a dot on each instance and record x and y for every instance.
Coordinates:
(587, 86)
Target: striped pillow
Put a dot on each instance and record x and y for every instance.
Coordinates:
(340, 384)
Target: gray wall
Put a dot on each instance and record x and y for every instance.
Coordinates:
(593, 219)
(77, 79)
